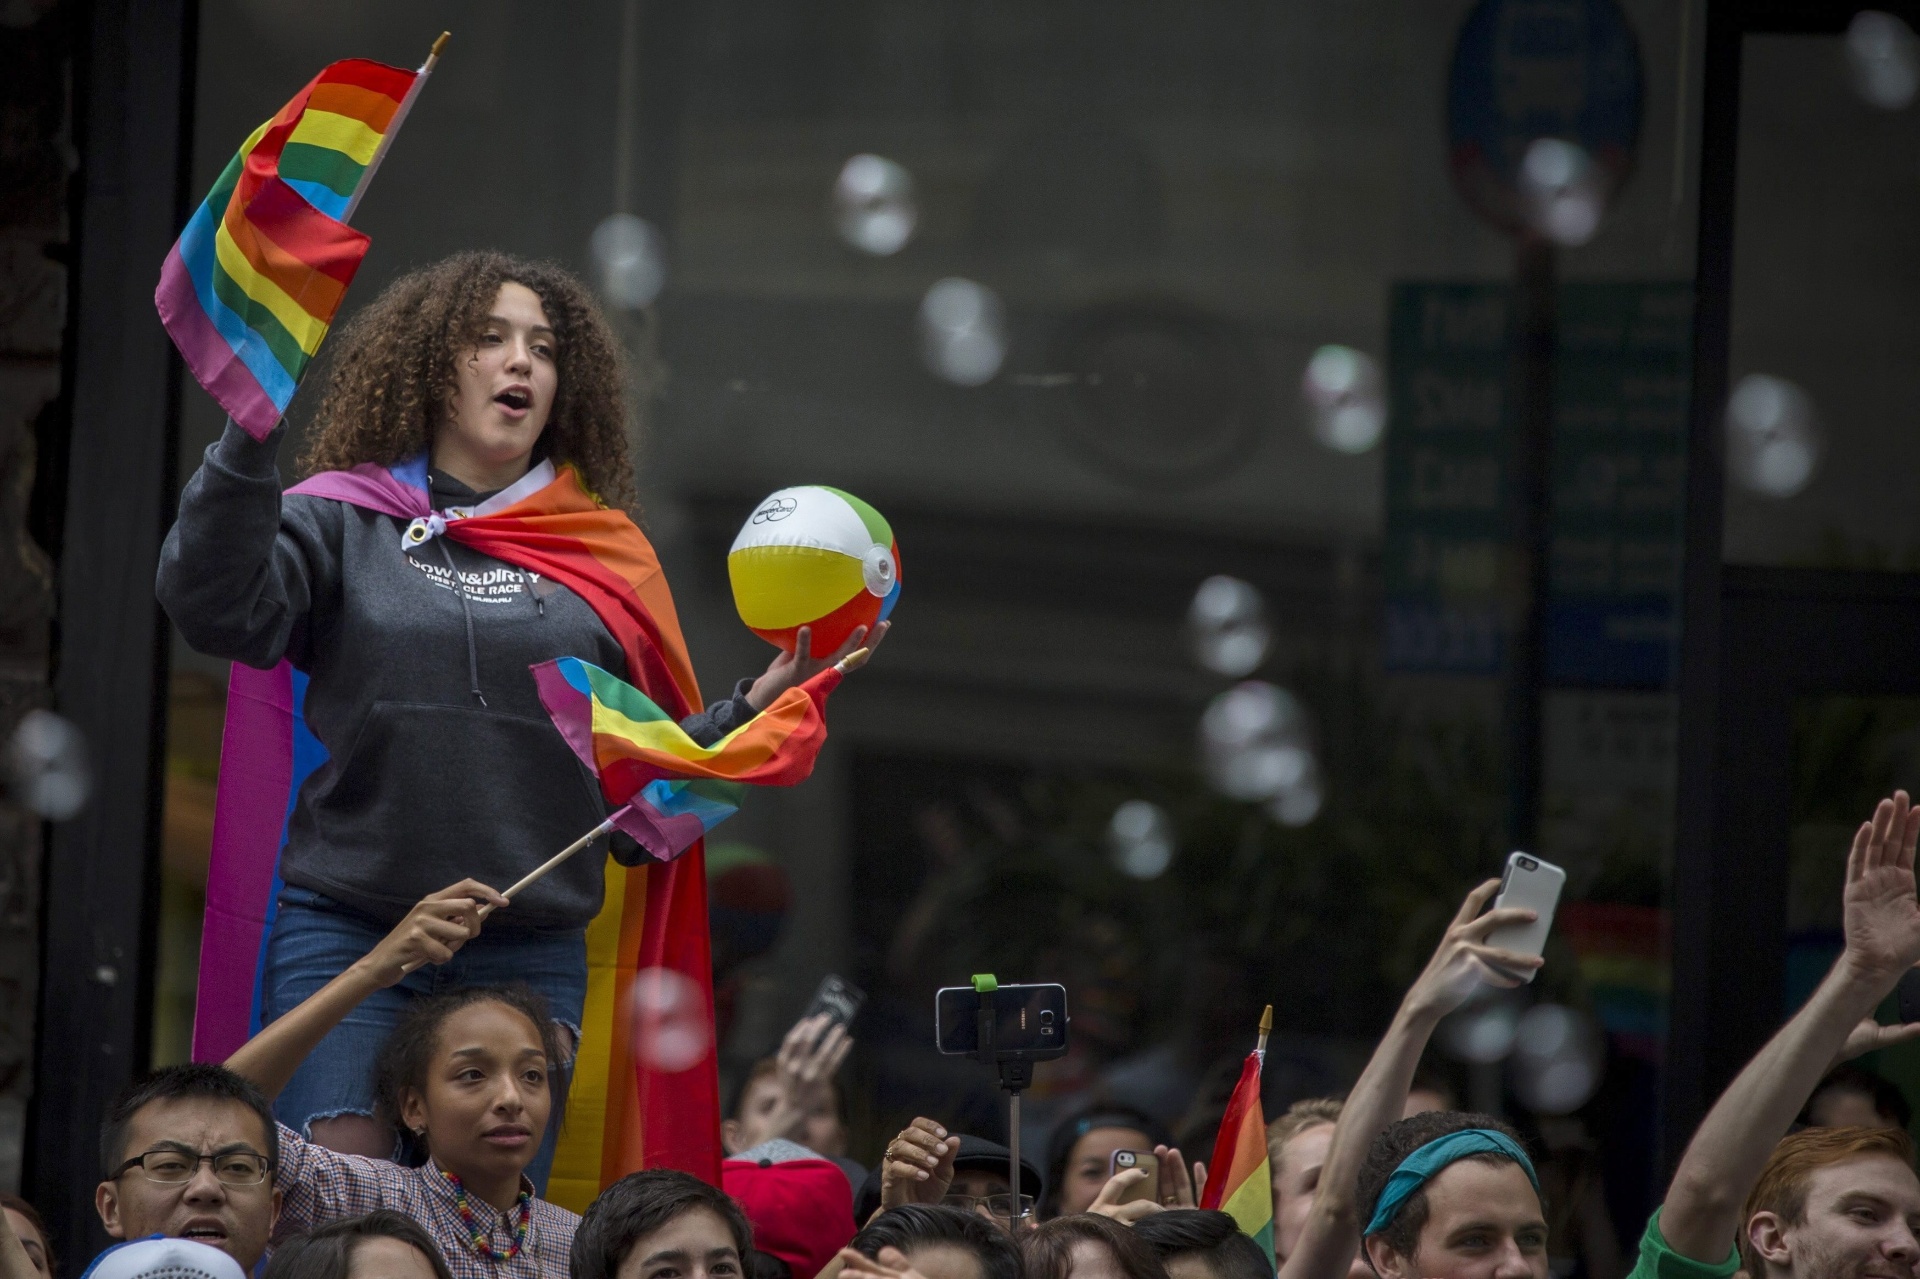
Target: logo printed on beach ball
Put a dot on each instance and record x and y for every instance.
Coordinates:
(813, 556)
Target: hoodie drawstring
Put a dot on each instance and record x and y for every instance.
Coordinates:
(466, 610)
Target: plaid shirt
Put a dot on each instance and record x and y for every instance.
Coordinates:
(318, 1185)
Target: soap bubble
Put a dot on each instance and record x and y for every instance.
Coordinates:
(1347, 398)
(1558, 1058)
(873, 206)
(1256, 741)
(1140, 839)
(1298, 803)
(1884, 57)
(962, 331)
(47, 769)
(1227, 627)
(630, 257)
(1773, 436)
(1562, 191)
(1482, 1031)
(671, 1029)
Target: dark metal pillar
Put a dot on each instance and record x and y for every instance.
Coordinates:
(1712, 1016)
(133, 89)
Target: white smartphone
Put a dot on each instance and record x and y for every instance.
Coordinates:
(1531, 884)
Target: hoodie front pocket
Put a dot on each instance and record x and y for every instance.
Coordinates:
(399, 821)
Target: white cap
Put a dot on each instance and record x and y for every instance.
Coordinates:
(157, 1257)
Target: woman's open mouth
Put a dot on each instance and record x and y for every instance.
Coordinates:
(514, 401)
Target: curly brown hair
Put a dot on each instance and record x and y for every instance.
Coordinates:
(391, 370)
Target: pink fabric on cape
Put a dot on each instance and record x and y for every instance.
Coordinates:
(250, 814)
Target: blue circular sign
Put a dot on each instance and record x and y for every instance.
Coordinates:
(1524, 70)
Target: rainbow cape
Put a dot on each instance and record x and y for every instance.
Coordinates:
(251, 287)
(622, 1114)
(1239, 1182)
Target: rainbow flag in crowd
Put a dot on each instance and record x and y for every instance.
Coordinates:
(622, 1113)
(1622, 953)
(1239, 1181)
(251, 287)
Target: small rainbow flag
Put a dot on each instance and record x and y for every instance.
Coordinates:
(249, 290)
(1239, 1181)
(672, 789)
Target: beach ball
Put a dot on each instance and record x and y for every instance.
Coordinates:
(813, 556)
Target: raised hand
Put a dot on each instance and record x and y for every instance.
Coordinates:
(1107, 1202)
(432, 931)
(808, 1057)
(1463, 960)
(1881, 917)
(789, 670)
(918, 1165)
(807, 1061)
(1177, 1188)
(1871, 1036)
(890, 1264)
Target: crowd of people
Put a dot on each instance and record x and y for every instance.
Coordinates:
(1800, 1171)
(396, 1115)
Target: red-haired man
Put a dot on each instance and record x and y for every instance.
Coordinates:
(1835, 1203)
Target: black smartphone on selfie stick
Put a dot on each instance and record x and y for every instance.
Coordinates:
(1010, 1028)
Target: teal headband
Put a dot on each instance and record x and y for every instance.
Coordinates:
(1424, 1164)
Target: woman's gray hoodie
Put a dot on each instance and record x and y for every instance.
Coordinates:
(425, 783)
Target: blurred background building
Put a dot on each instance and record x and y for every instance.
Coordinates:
(1548, 472)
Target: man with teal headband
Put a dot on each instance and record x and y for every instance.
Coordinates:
(1830, 1204)
(1452, 1196)
(1439, 1163)
(1420, 1167)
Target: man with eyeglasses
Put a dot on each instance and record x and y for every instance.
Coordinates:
(188, 1153)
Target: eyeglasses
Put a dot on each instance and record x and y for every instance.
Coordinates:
(1006, 1207)
(176, 1167)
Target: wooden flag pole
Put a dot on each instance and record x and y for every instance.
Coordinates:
(393, 126)
(1266, 1028)
(539, 872)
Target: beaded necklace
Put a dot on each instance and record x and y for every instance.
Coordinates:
(480, 1231)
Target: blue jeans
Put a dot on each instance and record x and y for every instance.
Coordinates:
(315, 939)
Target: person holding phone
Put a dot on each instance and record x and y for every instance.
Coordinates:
(1328, 1244)
(793, 1096)
(1081, 1176)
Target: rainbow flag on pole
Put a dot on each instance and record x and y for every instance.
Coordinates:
(1239, 1181)
(251, 287)
(620, 733)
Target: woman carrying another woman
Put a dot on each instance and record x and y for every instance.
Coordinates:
(480, 386)
(467, 1075)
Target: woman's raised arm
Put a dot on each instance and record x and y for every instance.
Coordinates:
(430, 934)
(236, 577)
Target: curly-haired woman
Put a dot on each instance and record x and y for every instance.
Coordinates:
(489, 384)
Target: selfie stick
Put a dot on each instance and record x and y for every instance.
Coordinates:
(1015, 1075)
